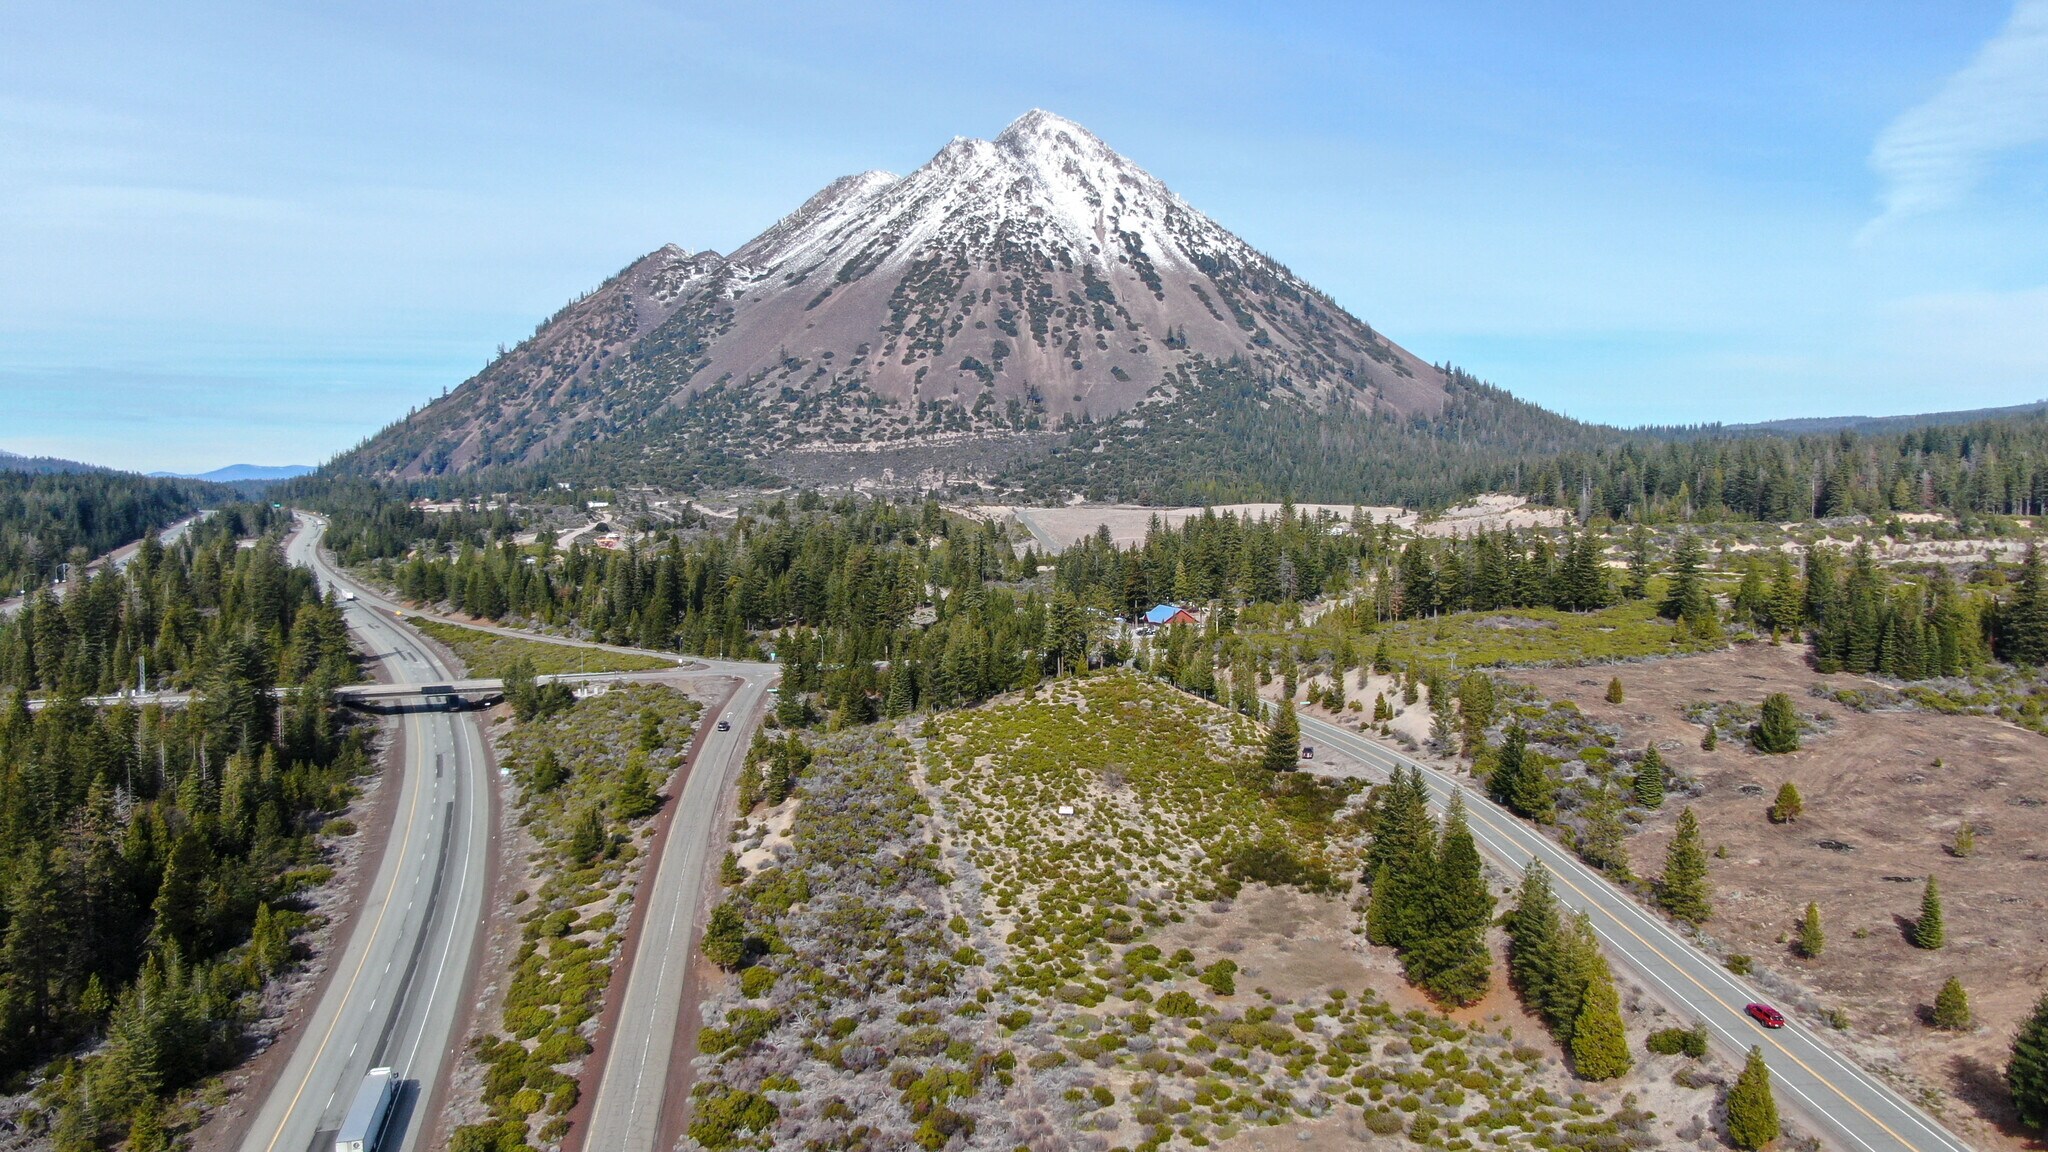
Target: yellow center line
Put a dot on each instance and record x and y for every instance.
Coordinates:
(411, 823)
(1486, 820)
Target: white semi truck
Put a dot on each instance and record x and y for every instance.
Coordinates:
(362, 1130)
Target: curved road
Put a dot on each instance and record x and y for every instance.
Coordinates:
(1849, 1107)
(396, 988)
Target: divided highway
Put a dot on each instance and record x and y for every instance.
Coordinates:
(631, 1096)
(397, 985)
(1848, 1106)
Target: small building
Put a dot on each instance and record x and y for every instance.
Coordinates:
(1164, 615)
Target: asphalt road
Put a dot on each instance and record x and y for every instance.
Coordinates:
(119, 558)
(1847, 1106)
(630, 1094)
(626, 1115)
(396, 988)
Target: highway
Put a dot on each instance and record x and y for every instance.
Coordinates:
(119, 558)
(631, 1088)
(396, 986)
(1845, 1105)
(631, 1096)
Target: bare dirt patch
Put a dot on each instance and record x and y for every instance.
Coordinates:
(1884, 794)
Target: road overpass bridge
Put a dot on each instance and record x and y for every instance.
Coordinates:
(423, 696)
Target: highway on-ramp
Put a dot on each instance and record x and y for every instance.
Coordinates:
(1848, 1106)
(396, 988)
(631, 1089)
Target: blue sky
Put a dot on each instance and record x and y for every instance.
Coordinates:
(259, 233)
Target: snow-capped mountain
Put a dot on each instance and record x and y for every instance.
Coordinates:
(1006, 286)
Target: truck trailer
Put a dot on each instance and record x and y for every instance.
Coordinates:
(362, 1130)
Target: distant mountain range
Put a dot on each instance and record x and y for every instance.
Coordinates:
(237, 472)
(1818, 424)
(1007, 287)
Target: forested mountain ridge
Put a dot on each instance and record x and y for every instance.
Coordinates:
(50, 518)
(1005, 287)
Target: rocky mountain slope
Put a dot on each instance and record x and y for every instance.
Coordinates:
(1007, 287)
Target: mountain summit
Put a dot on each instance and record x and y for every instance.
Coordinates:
(1006, 286)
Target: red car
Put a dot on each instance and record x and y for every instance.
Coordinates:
(1766, 1015)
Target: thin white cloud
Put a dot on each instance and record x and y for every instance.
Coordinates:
(1933, 154)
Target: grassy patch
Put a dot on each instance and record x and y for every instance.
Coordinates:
(1524, 637)
(487, 654)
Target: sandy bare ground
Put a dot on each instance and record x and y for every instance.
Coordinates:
(1880, 814)
(1056, 528)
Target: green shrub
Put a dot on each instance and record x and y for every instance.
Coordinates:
(1679, 1042)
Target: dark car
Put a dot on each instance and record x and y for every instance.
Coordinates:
(1766, 1015)
(725, 725)
(1308, 752)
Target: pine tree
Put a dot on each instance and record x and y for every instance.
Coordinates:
(1928, 930)
(1505, 778)
(1752, 1109)
(1535, 793)
(1382, 659)
(1283, 740)
(1778, 730)
(1966, 840)
(1476, 702)
(1402, 859)
(1952, 1007)
(1443, 718)
(1649, 782)
(1533, 937)
(1711, 740)
(2023, 619)
(1450, 960)
(725, 936)
(1788, 806)
(1638, 584)
(587, 839)
(899, 701)
(1602, 842)
(1687, 600)
(635, 796)
(1578, 964)
(1615, 695)
(1812, 939)
(2027, 1073)
(1599, 1042)
(1684, 892)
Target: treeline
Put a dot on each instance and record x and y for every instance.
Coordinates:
(1992, 467)
(183, 614)
(1229, 436)
(151, 858)
(48, 519)
(1914, 625)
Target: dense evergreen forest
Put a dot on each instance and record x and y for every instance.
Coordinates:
(883, 608)
(1236, 439)
(52, 518)
(150, 857)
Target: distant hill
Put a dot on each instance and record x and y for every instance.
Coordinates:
(12, 462)
(1873, 425)
(235, 473)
